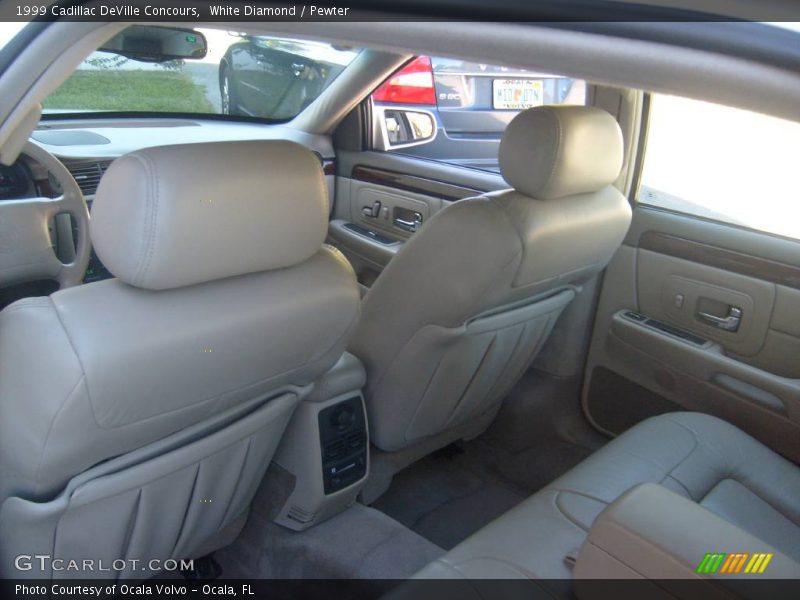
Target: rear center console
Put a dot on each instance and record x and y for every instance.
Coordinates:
(343, 438)
(325, 447)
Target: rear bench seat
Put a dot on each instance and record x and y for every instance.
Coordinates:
(699, 457)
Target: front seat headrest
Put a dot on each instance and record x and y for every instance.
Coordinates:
(173, 216)
(550, 152)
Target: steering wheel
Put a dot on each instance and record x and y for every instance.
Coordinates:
(26, 248)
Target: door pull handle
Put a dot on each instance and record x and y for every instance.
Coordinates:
(729, 323)
(409, 224)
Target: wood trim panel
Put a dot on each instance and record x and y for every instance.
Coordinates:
(413, 183)
(721, 258)
(329, 167)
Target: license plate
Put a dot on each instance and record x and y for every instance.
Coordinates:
(517, 94)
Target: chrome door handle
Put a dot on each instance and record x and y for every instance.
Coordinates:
(729, 323)
(403, 224)
(408, 225)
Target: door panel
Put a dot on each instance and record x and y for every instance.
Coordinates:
(381, 199)
(681, 292)
(653, 350)
(412, 166)
(396, 208)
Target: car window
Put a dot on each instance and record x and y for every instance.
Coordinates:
(722, 163)
(252, 76)
(469, 104)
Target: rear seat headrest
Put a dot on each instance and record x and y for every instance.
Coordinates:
(174, 216)
(550, 152)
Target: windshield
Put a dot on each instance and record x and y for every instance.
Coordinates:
(246, 76)
(8, 31)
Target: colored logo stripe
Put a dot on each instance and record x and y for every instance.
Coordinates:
(758, 564)
(711, 562)
(730, 564)
(737, 563)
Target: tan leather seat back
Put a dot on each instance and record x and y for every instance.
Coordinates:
(461, 311)
(144, 409)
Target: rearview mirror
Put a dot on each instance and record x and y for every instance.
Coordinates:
(402, 128)
(147, 43)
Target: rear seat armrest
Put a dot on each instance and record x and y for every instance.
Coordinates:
(651, 532)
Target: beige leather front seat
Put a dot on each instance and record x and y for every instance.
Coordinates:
(461, 311)
(138, 414)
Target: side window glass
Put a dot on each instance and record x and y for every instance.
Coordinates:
(467, 107)
(723, 164)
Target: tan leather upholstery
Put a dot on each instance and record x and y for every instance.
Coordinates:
(166, 212)
(113, 368)
(699, 457)
(557, 151)
(651, 532)
(461, 311)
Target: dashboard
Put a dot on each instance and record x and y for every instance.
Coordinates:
(87, 146)
(110, 138)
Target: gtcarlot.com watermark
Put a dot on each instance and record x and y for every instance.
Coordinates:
(46, 562)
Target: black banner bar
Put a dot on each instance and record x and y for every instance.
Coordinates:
(366, 589)
(397, 10)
